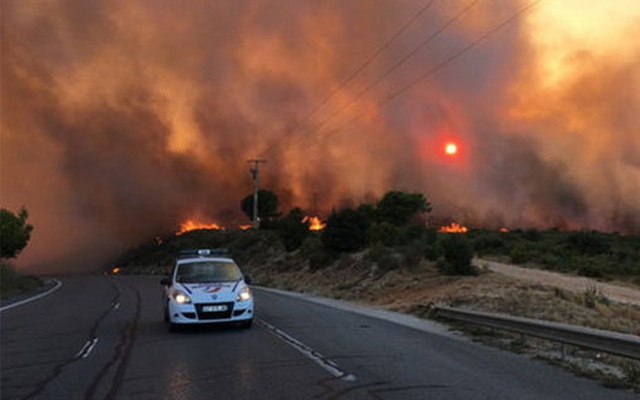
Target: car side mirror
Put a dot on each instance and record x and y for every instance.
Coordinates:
(165, 281)
(247, 279)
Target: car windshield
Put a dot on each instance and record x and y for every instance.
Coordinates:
(208, 271)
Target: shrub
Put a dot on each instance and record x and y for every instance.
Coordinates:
(521, 253)
(588, 243)
(413, 253)
(292, 230)
(313, 249)
(384, 234)
(347, 230)
(389, 261)
(458, 254)
(489, 244)
(398, 208)
(11, 282)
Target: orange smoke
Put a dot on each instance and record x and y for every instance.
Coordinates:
(454, 227)
(315, 223)
(191, 225)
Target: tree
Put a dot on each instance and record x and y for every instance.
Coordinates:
(400, 208)
(346, 230)
(14, 232)
(268, 204)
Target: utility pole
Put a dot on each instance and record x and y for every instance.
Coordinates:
(255, 173)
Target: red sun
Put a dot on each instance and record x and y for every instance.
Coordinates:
(450, 148)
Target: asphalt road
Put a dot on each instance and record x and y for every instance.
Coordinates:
(100, 337)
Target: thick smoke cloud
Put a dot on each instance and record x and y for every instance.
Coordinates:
(120, 119)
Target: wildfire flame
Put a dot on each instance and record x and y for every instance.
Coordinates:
(115, 270)
(454, 227)
(191, 225)
(315, 223)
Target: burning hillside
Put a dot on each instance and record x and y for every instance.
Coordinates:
(119, 118)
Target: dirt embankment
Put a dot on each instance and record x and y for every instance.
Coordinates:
(499, 288)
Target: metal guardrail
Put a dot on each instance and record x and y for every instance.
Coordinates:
(595, 339)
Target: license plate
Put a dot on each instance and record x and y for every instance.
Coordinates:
(218, 308)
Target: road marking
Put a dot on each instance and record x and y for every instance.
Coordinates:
(318, 358)
(36, 297)
(87, 348)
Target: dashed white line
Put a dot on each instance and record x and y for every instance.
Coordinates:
(318, 358)
(87, 348)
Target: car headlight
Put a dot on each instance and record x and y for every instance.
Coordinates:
(244, 295)
(180, 297)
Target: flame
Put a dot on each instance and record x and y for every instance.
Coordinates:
(191, 225)
(454, 228)
(504, 230)
(245, 227)
(315, 223)
(115, 270)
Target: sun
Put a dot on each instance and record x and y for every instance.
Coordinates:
(451, 148)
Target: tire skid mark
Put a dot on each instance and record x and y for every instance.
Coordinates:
(91, 336)
(123, 352)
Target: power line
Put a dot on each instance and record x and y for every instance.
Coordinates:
(398, 64)
(461, 52)
(376, 54)
(439, 66)
(362, 66)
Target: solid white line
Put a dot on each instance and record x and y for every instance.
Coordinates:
(318, 358)
(36, 297)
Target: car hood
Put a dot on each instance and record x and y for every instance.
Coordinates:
(213, 291)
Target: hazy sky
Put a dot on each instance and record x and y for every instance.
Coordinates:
(121, 119)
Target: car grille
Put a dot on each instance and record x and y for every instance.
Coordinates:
(214, 315)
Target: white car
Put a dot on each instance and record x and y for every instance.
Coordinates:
(207, 287)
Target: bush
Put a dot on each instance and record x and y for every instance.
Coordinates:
(347, 230)
(489, 244)
(521, 253)
(398, 208)
(11, 282)
(315, 252)
(292, 230)
(589, 243)
(413, 253)
(384, 234)
(458, 254)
